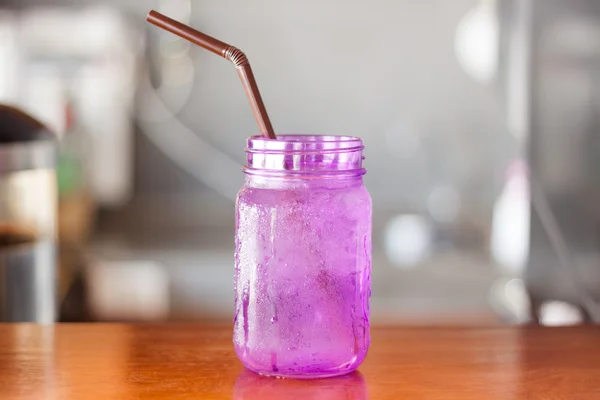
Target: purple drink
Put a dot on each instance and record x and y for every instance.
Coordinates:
(303, 257)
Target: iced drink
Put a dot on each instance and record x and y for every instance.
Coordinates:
(303, 258)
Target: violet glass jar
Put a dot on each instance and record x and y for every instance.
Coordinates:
(303, 257)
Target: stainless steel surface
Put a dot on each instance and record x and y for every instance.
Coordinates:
(27, 155)
(28, 283)
(27, 219)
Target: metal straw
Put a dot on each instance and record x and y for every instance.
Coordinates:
(233, 54)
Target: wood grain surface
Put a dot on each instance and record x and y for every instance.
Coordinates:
(116, 361)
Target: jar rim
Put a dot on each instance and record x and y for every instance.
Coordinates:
(302, 143)
(305, 155)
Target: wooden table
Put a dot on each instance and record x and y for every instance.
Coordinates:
(113, 361)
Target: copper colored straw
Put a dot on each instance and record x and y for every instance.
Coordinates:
(233, 54)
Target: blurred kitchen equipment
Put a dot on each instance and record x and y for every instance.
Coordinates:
(549, 76)
(86, 59)
(27, 219)
(75, 70)
(551, 81)
(564, 151)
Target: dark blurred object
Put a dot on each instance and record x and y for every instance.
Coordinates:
(74, 307)
(27, 219)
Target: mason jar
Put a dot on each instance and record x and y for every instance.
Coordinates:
(303, 257)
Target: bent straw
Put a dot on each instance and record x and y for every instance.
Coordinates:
(233, 54)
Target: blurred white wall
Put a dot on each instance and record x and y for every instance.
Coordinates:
(383, 70)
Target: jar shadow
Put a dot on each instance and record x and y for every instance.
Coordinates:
(250, 386)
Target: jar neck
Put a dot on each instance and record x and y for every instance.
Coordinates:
(329, 182)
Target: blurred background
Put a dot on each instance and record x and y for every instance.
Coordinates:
(469, 109)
